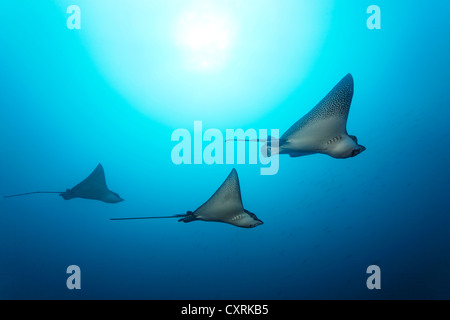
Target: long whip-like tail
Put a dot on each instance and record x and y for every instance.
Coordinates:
(146, 218)
(269, 140)
(266, 149)
(248, 140)
(26, 194)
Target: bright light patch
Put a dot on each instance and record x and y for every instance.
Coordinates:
(205, 37)
(220, 61)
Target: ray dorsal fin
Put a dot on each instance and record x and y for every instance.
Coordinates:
(337, 102)
(227, 196)
(96, 178)
(93, 187)
(335, 105)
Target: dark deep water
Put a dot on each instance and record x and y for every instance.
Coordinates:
(114, 91)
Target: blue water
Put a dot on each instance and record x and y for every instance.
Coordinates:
(73, 98)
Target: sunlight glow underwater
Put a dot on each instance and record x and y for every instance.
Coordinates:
(206, 37)
(245, 56)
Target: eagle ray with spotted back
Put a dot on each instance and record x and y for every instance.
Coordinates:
(323, 129)
(93, 188)
(225, 205)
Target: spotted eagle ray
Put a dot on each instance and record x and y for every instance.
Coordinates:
(225, 206)
(322, 130)
(93, 188)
